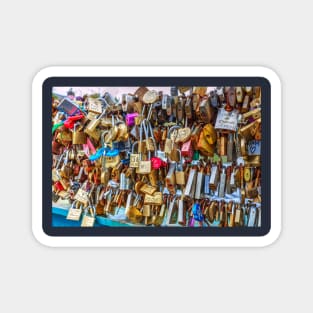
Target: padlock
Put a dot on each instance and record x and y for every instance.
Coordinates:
(99, 203)
(180, 109)
(56, 176)
(246, 104)
(231, 99)
(205, 110)
(222, 184)
(213, 210)
(195, 101)
(68, 106)
(239, 94)
(147, 189)
(204, 147)
(179, 172)
(170, 180)
(223, 144)
(187, 150)
(195, 135)
(108, 100)
(170, 215)
(130, 119)
(89, 217)
(144, 166)
(67, 169)
(256, 92)
(201, 91)
(253, 215)
(209, 133)
(150, 142)
(147, 214)
(230, 148)
(169, 141)
(125, 182)
(112, 158)
(188, 108)
(155, 199)
(166, 101)
(64, 137)
(150, 96)
(181, 216)
(74, 212)
(79, 137)
(190, 185)
(95, 105)
(249, 131)
(113, 132)
(206, 183)
(122, 132)
(134, 157)
(197, 212)
(91, 130)
(199, 184)
(153, 177)
(183, 135)
(238, 215)
(214, 177)
(214, 99)
(251, 115)
(82, 194)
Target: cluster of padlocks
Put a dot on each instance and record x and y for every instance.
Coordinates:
(187, 158)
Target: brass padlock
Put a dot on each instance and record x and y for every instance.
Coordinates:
(155, 199)
(172, 132)
(239, 94)
(79, 137)
(146, 189)
(249, 130)
(153, 177)
(93, 124)
(201, 91)
(209, 133)
(134, 157)
(183, 135)
(246, 104)
(179, 173)
(95, 105)
(82, 194)
(170, 181)
(144, 167)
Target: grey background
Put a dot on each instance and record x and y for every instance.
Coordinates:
(35, 34)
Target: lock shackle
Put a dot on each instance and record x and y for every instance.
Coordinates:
(97, 193)
(74, 204)
(59, 160)
(171, 130)
(103, 144)
(90, 208)
(144, 121)
(134, 144)
(152, 137)
(75, 125)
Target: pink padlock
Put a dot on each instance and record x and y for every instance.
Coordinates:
(130, 118)
(186, 149)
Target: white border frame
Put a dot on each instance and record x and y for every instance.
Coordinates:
(163, 71)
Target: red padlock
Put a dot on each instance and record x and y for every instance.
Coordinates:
(58, 186)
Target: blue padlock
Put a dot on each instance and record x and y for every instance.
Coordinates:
(197, 213)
